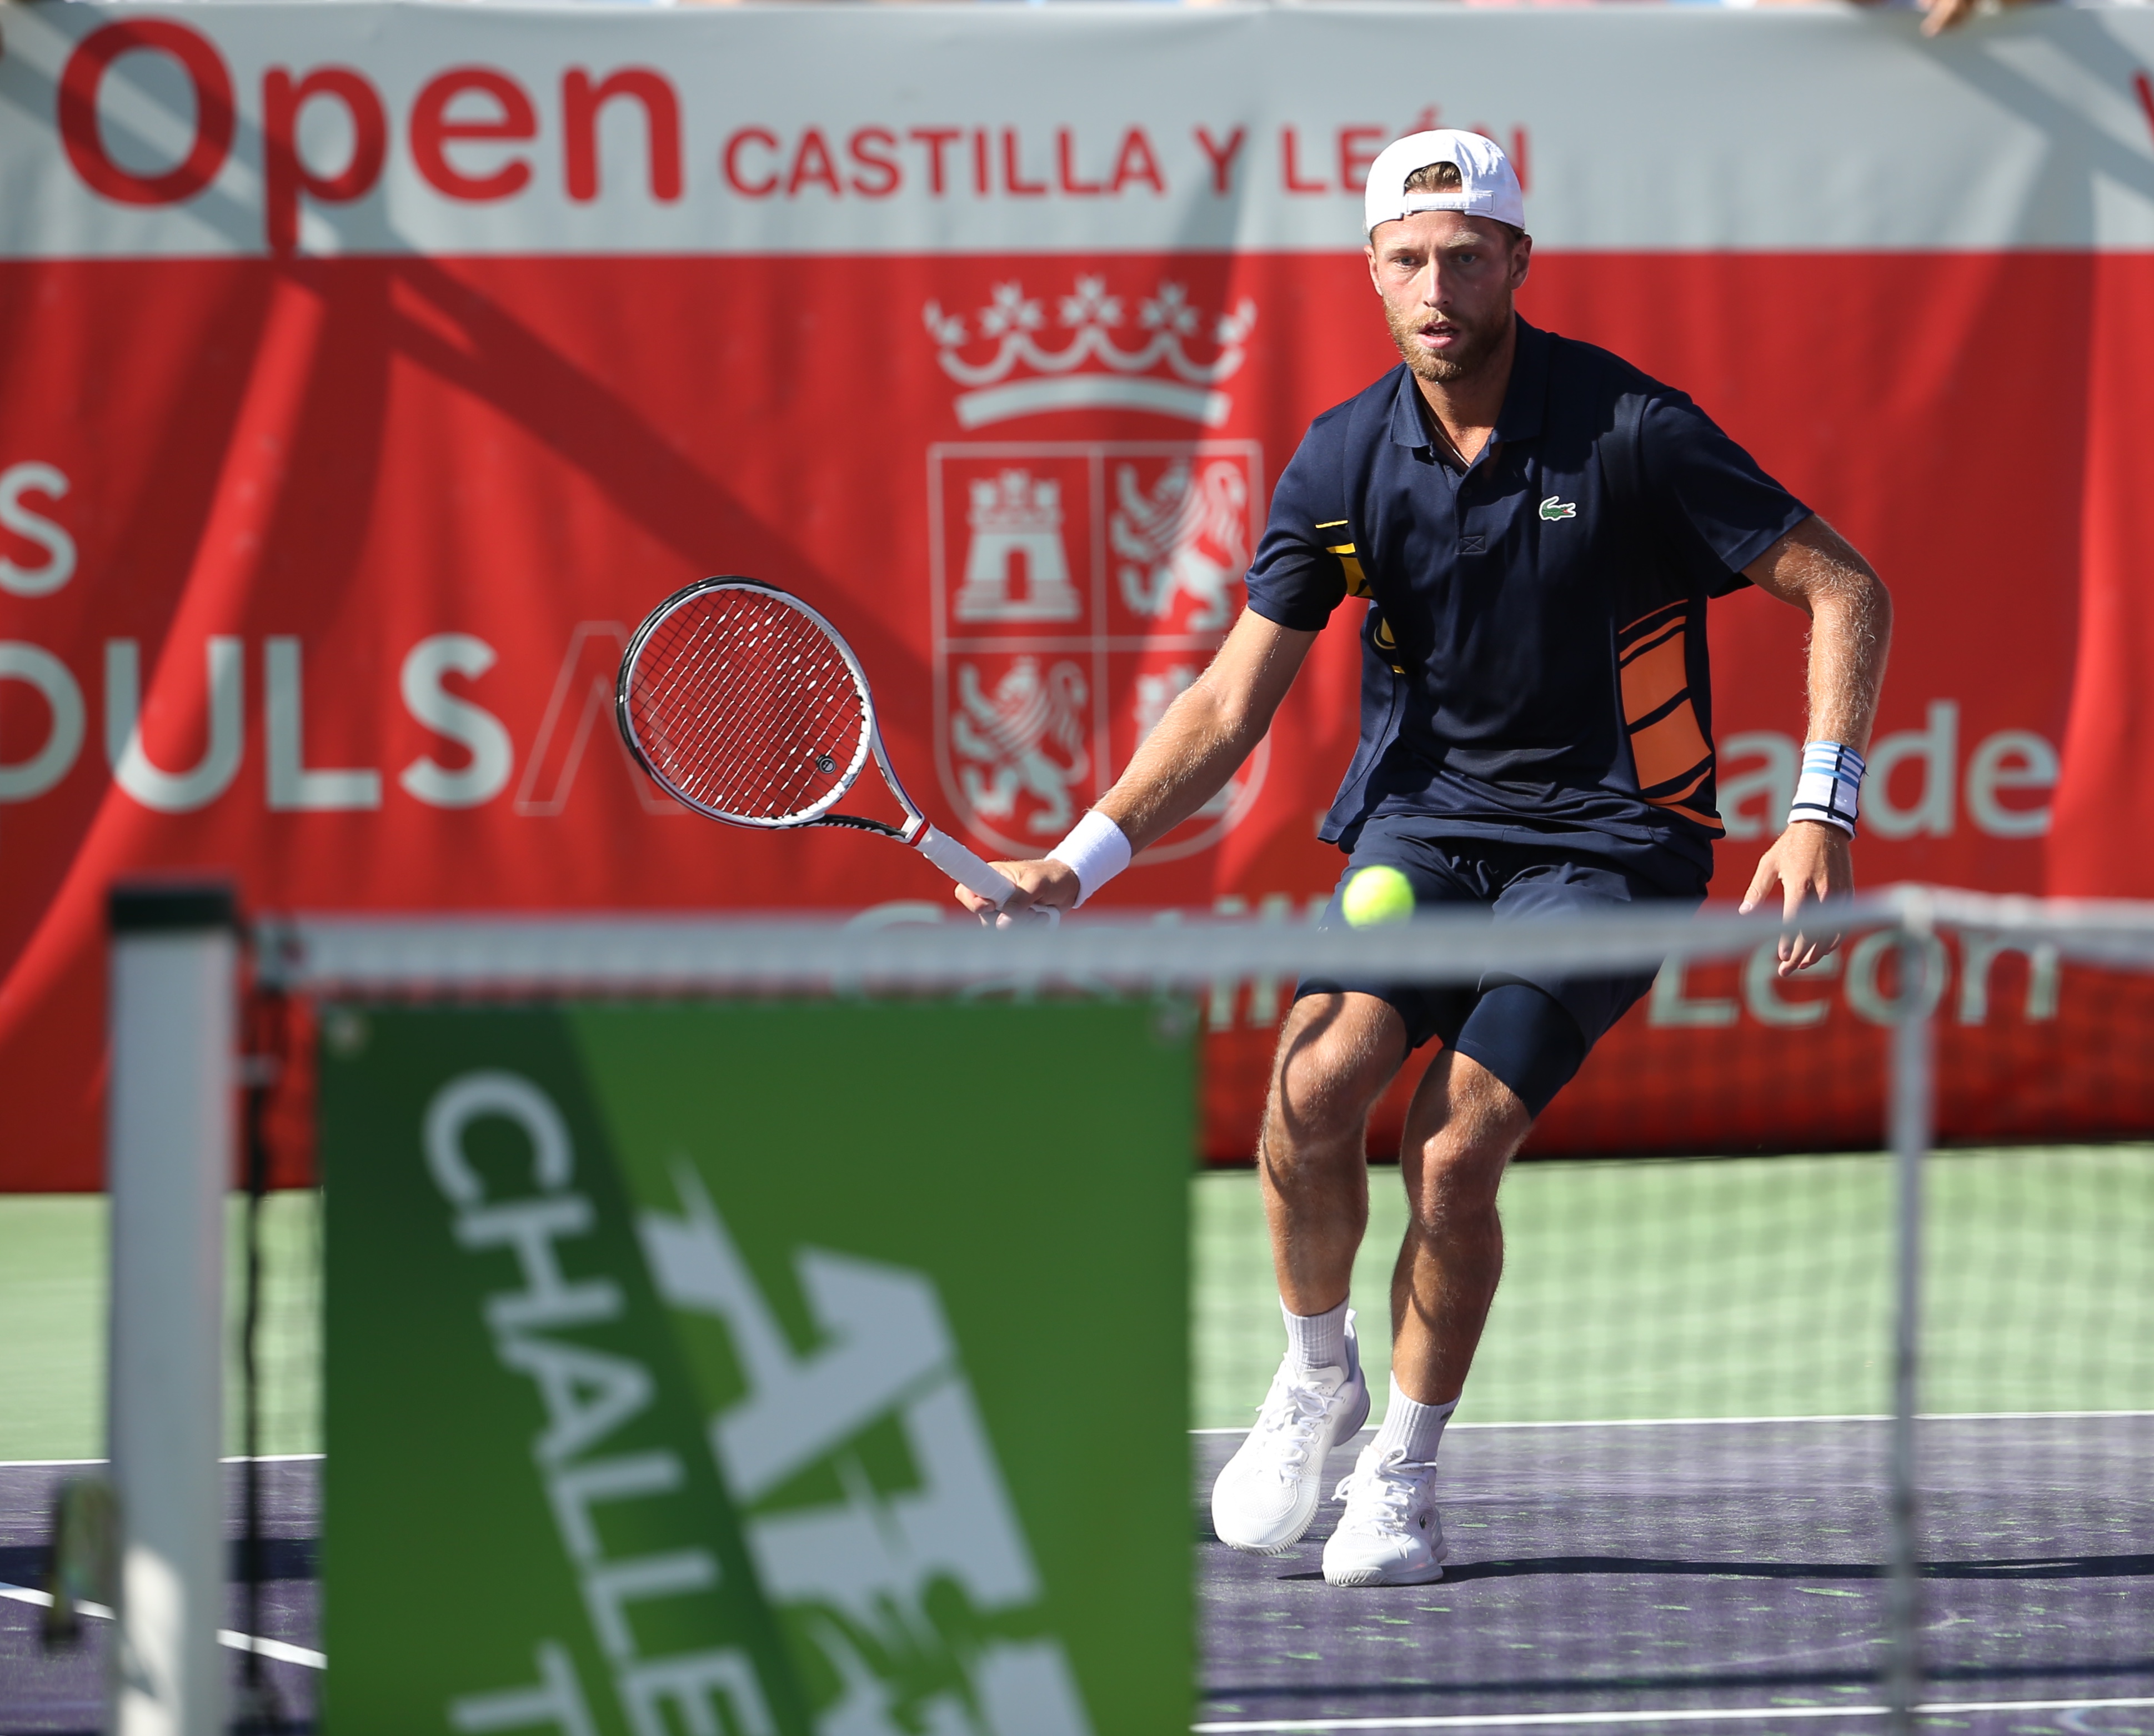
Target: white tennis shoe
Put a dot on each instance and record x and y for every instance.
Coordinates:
(1266, 1497)
(1390, 1534)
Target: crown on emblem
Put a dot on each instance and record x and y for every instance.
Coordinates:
(1155, 372)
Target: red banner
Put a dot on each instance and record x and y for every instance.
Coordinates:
(331, 477)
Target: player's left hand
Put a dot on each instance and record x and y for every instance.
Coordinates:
(1813, 862)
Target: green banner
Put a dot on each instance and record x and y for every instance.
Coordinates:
(718, 1370)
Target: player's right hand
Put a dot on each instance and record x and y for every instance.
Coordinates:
(1046, 883)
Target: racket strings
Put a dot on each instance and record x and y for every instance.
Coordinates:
(807, 669)
(696, 693)
(746, 706)
(761, 749)
(725, 726)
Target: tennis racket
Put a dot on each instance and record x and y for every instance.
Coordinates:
(746, 705)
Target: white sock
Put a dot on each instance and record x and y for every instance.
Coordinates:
(1316, 1340)
(1414, 1428)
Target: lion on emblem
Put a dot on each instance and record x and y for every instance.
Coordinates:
(1010, 733)
(1190, 535)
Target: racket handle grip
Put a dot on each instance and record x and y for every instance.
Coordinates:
(972, 873)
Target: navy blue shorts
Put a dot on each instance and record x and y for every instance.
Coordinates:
(1531, 1031)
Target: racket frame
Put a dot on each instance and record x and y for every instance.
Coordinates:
(818, 813)
(964, 865)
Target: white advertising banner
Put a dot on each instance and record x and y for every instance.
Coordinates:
(224, 129)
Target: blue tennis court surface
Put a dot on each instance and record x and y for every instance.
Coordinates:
(1690, 1568)
(1714, 1576)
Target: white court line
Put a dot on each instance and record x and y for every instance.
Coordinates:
(260, 1459)
(282, 1458)
(1736, 1421)
(1522, 1720)
(278, 1649)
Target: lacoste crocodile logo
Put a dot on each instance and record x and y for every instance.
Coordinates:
(1552, 509)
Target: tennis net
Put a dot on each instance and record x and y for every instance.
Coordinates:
(1850, 1427)
(1764, 1436)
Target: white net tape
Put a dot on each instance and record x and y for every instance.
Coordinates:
(689, 952)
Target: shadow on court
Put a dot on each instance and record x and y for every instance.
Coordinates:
(1684, 1568)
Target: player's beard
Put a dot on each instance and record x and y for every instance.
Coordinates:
(1477, 342)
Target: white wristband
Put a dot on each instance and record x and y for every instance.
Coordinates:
(1829, 787)
(1096, 851)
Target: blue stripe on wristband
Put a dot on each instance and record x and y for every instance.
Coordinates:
(1831, 785)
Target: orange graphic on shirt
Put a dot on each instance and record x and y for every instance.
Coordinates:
(1672, 757)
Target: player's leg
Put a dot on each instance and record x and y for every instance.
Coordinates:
(1342, 1045)
(1520, 1045)
(1337, 1053)
(1462, 1127)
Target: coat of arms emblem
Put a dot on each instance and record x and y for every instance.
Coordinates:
(1080, 585)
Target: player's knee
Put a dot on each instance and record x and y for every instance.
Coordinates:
(1335, 1055)
(1455, 1181)
(1460, 1139)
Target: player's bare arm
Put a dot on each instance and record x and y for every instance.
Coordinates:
(1813, 569)
(1211, 729)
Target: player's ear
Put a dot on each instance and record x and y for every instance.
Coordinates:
(1369, 252)
(1521, 258)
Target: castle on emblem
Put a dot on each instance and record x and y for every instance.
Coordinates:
(1018, 568)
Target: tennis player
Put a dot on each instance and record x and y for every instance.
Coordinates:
(1535, 528)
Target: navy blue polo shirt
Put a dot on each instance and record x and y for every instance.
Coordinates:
(1534, 665)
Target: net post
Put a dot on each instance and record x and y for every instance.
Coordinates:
(169, 1131)
(1913, 1086)
(264, 1027)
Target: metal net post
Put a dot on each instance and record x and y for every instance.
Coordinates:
(1912, 1062)
(168, 1166)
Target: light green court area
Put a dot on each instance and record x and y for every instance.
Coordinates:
(53, 1262)
(1743, 1287)
(1732, 1287)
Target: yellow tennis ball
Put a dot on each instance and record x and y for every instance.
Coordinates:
(1377, 895)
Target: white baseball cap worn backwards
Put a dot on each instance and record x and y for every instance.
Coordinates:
(1488, 186)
